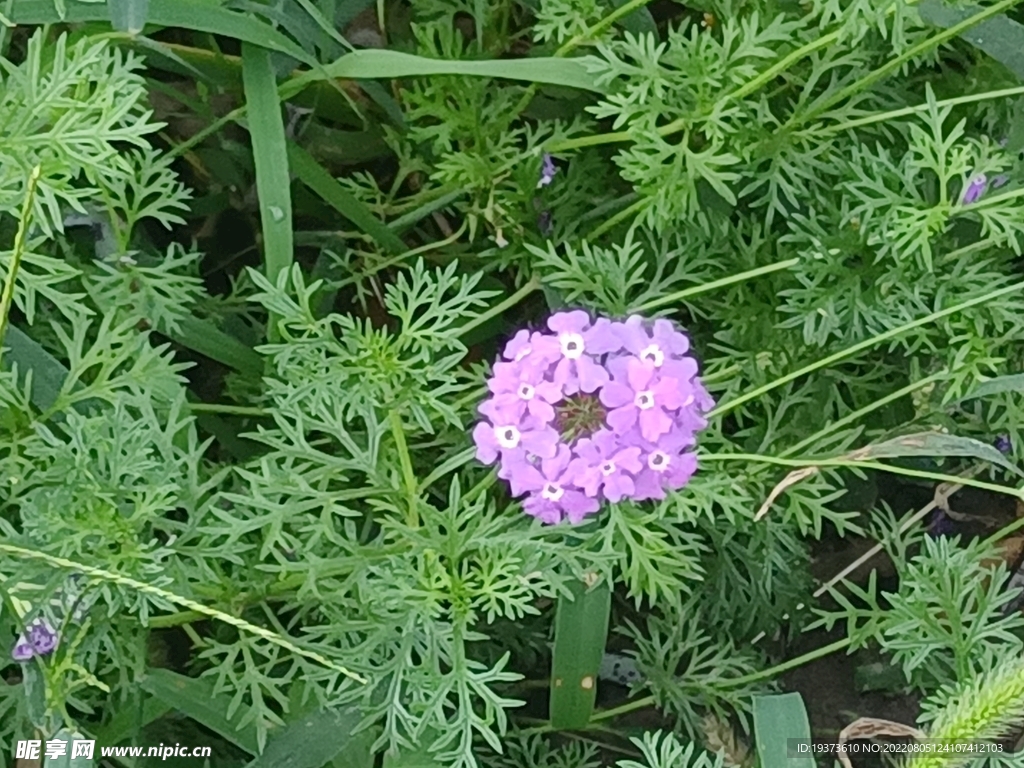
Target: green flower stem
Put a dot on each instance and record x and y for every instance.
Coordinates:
(184, 602)
(7, 299)
(799, 661)
(625, 213)
(857, 464)
(750, 274)
(229, 410)
(860, 413)
(408, 475)
(894, 65)
(497, 309)
(863, 345)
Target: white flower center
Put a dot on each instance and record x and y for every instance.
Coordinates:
(507, 437)
(607, 468)
(688, 401)
(653, 354)
(644, 400)
(552, 492)
(658, 461)
(526, 392)
(523, 353)
(572, 345)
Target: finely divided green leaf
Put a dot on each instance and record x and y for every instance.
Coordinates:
(269, 148)
(935, 444)
(370, 64)
(581, 630)
(312, 174)
(1000, 37)
(317, 738)
(195, 698)
(778, 718)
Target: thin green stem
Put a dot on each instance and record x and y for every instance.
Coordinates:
(619, 217)
(24, 221)
(408, 475)
(862, 346)
(230, 410)
(861, 412)
(894, 65)
(497, 309)
(865, 464)
(714, 284)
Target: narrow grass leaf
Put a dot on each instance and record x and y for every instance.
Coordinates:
(1013, 382)
(30, 358)
(128, 15)
(195, 698)
(934, 444)
(373, 64)
(269, 148)
(316, 739)
(129, 720)
(1000, 37)
(198, 15)
(313, 175)
(581, 630)
(778, 719)
(207, 339)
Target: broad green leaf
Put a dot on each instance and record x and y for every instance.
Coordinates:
(128, 15)
(312, 174)
(195, 698)
(65, 760)
(934, 444)
(270, 153)
(1000, 37)
(199, 15)
(316, 739)
(780, 726)
(371, 64)
(204, 337)
(129, 720)
(581, 630)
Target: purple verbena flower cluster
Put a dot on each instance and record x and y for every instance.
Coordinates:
(594, 410)
(39, 639)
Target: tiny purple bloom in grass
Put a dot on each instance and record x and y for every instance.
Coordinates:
(1004, 445)
(593, 410)
(38, 639)
(975, 189)
(547, 171)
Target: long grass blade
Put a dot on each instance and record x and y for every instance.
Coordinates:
(270, 152)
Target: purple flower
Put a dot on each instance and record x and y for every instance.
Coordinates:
(557, 498)
(511, 441)
(547, 171)
(975, 189)
(520, 389)
(39, 639)
(603, 464)
(576, 343)
(1004, 445)
(643, 398)
(667, 466)
(593, 410)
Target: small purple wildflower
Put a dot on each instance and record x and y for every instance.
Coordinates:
(1004, 445)
(975, 189)
(595, 410)
(39, 639)
(547, 171)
